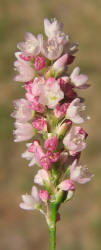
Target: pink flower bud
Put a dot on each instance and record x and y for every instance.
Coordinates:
(67, 185)
(36, 148)
(45, 162)
(51, 143)
(35, 105)
(70, 59)
(67, 89)
(60, 64)
(54, 157)
(40, 124)
(60, 110)
(40, 62)
(44, 195)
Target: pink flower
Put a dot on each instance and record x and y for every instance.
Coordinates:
(54, 30)
(31, 46)
(74, 141)
(60, 65)
(44, 195)
(22, 112)
(53, 156)
(36, 106)
(28, 86)
(29, 156)
(79, 80)
(67, 185)
(60, 110)
(51, 143)
(26, 72)
(36, 148)
(30, 202)
(40, 62)
(51, 49)
(45, 162)
(23, 132)
(40, 124)
(80, 173)
(76, 111)
(50, 94)
(67, 89)
(42, 177)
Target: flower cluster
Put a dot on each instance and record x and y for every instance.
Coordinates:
(51, 116)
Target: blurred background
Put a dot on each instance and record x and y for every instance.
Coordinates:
(80, 225)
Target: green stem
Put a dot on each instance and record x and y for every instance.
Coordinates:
(52, 225)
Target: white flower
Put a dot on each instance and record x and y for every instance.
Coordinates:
(30, 202)
(41, 177)
(51, 93)
(23, 132)
(74, 141)
(22, 111)
(80, 173)
(79, 80)
(51, 49)
(26, 72)
(57, 39)
(29, 156)
(31, 46)
(52, 28)
(76, 111)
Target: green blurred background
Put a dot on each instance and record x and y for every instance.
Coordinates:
(80, 225)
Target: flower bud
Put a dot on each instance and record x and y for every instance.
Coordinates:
(44, 195)
(67, 185)
(40, 63)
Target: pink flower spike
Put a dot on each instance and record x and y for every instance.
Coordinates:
(40, 124)
(67, 185)
(40, 63)
(42, 177)
(44, 195)
(51, 143)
